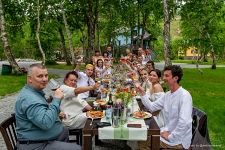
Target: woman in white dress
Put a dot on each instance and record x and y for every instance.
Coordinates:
(156, 92)
(99, 68)
(145, 82)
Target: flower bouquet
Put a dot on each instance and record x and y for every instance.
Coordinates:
(124, 95)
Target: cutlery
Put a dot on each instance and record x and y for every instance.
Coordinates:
(91, 121)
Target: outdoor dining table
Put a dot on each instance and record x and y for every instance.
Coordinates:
(89, 131)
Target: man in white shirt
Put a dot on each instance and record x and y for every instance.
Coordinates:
(177, 107)
(85, 79)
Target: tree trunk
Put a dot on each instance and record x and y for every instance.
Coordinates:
(166, 33)
(63, 46)
(144, 18)
(91, 29)
(68, 33)
(96, 22)
(138, 24)
(38, 33)
(4, 37)
(212, 53)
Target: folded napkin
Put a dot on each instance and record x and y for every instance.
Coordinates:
(123, 132)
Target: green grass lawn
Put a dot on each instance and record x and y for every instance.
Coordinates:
(64, 66)
(12, 83)
(220, 62)
(207, 91)
(61, 66)
(208, 94)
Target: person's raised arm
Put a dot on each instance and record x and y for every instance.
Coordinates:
(77, 68)
(83, 89)
(151, 106)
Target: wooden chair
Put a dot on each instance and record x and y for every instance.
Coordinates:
(78, 134)
(8, 131)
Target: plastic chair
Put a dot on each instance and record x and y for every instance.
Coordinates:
(200, 135)
(8, 131)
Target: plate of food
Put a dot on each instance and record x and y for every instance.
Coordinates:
(141, 114)
(95, 114)
(100, 102)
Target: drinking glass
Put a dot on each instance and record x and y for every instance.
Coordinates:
(53, 84)
(116, 117)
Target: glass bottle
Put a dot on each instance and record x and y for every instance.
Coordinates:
(110, 102)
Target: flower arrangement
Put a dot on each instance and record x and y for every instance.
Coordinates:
(124, 95)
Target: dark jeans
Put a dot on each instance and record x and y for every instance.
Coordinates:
(59, 144)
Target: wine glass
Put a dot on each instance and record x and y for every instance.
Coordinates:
(53, 84)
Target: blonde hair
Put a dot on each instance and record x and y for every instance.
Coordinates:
(89, 65)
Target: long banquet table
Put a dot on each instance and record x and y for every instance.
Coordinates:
(90, 131)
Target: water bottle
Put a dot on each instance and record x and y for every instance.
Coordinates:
(108, 113)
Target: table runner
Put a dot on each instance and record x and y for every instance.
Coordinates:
(123, 132)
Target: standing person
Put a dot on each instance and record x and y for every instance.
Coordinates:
(177, 107)
(37, 122)
(96, 57)
(109, 51)
(85, 79)
(129, 54)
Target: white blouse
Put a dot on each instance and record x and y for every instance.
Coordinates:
(84, 80)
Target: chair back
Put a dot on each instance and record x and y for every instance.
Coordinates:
(78, 134)
(8, 131)
(200, 135)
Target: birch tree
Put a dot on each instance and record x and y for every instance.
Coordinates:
(38, 32)
(166, 33)
(5, 41)
(68, 33)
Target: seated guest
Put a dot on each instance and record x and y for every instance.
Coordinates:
(107, 71)
(99, 68)
(37, 122)
(150, 66)
(102, 69)
(156, 92)
(72, 107)
(145, 82)
(177, 107)
(85, 79)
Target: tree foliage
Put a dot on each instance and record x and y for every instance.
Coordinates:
(96, 23)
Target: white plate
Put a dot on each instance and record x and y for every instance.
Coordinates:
(94, 117)
(147, 115)
(103, 102)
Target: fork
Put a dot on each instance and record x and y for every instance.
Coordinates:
(91, 121)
